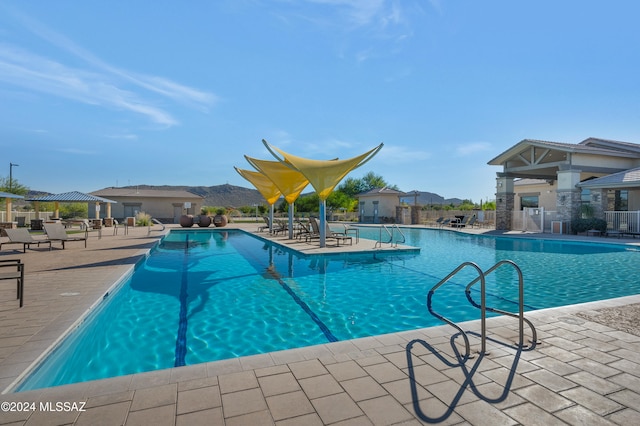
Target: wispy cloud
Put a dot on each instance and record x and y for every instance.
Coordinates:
(124, 136)
(99, 83)
(398, 154)
(75, 151)
(472, 148)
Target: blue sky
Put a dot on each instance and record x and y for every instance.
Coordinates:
(100, 94)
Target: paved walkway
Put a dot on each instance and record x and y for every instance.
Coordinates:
(582, 372)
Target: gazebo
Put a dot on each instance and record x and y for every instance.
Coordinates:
(72, 197)
(8, 196)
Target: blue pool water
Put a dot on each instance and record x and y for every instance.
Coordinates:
(209, 295)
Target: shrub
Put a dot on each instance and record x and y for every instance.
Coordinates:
(583, 225)
(143, 219)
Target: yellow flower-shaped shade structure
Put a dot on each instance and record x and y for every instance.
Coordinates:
(290, 182)
(263, 184)
(323, 175)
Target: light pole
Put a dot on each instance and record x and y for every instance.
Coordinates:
(11, 166)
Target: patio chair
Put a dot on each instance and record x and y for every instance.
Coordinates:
(445, 222)
(7, 273)
(338, 236)
(315, 229)
(302, 230)
(56, 232)
(279, 226)
(266, 224)
(22, 236)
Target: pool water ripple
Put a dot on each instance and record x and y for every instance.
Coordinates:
(235, 295)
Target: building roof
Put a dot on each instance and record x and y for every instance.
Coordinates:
(382, 191)
(72, 197)
(9, 195)
(627, 178)
(587, 146)
(145, 193)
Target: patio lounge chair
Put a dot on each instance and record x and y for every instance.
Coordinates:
(338, 236)
(445, 222)
(303, 230)
(56, 232)
(8, 273)
(266, 224)
(22, 236)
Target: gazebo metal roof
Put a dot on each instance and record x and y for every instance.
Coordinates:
(9, 195)
(72, 197)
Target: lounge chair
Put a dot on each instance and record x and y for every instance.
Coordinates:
(302, 230)
(266, 224)
(445, 222)
(464, 222)
(22, 236)
(56, 232)
(6, 273)
(279, 226)
(338, 236)
(315, 229)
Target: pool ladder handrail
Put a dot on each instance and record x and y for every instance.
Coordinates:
(451, 323)
(483, 306)
(390, 234)
(520, 315)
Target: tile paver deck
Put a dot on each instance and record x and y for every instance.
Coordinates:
(582, 372)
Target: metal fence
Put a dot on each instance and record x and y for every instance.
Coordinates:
(537, 219)
(623, 221)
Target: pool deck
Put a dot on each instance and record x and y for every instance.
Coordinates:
(581, 372)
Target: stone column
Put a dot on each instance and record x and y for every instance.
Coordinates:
(505, 202)
(599, 202)
(415, 214)
(568, 195)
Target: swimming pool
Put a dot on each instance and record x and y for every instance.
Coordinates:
(205, 295)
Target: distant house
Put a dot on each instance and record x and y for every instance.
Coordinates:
(165, 205)
(378, 205)
(596, 175)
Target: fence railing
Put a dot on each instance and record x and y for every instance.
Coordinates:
(484, 217)
(28, 216)
(623, 221)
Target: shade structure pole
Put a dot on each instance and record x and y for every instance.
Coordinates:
(271, 219)
(291, 205)
(323, 223)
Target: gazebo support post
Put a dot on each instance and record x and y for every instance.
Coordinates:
(271, 219)
(323, 223)
(291, 205)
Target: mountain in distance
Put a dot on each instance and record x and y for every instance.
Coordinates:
(428, 199)
(237, 196)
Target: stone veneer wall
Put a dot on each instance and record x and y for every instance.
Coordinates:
(504, 211)
(599, 202)
(568, 209)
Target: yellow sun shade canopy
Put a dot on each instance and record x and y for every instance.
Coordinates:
(323, 175)
(290, 182)
(263, 184)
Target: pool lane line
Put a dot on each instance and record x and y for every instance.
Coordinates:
(323, 327)
(181, 339)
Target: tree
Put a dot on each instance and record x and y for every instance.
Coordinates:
(16, 187)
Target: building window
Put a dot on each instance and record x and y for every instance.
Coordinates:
(528, 201)
(618, 200)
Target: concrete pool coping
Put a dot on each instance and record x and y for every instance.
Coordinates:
(582, 368)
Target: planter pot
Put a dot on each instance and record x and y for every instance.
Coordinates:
(220, 220)
(186, 221)
(205, 221)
